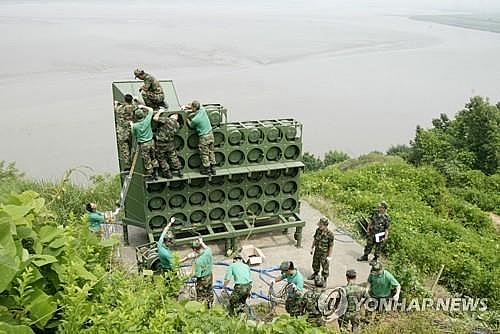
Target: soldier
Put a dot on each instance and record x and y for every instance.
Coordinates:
(314, 315)
(151, 91)
(354, 294)
(294, 303)
(95, 219)
(165, 145)
(382, 286)
(240, 273)
(143, 132)
(163, 245)
(203, 264)
(378, 232)
(124, 114)
(322, 250)
(199, 121)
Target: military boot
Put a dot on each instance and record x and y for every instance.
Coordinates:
(212, 169)
(205, 170)
(312, 276)
(167, 174)
(324, 281)
(363, 257)
(179, 172)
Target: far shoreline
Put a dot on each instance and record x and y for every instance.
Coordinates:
(482, 22)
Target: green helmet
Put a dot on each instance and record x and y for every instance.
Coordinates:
(323, 221)
(351, 273)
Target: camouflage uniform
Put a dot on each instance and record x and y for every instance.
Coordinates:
(124, 114)
(204, 291)
(238, 299)
(314, 316)
(354, 293)
(206, 146)
(152, 93)
(148, 157)
(165, 145)
(378, 223)
(294, 304)
(323, 240)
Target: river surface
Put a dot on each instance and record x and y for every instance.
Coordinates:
(360, 75)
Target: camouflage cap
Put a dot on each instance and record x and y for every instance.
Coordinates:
(285, 265)
(351, 273)
(138, 71)
(323, 221)
(383, 204)
(195, 244)
(377, 268)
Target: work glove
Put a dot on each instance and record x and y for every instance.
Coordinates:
(396, 297)
(329, 258)
(191, 255)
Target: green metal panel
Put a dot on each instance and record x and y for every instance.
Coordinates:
(257, 181)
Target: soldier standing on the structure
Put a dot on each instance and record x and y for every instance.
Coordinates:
(240, 273)
(378, 232)
(151, 91)
(124, 114)
(165, 145)
(143, 132)
(202, 270)
(199, 121)
(354, 295)
(294, 303)
(322, 250)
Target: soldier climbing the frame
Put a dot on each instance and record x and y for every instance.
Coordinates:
(151, 90)
(124, 114)
(199, 121)
(322, 250)
(142, 131)
(165, 145)
(378, 232)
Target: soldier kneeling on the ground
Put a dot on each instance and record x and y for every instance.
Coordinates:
(294, 303)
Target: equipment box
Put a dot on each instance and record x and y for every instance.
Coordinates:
(252, 255)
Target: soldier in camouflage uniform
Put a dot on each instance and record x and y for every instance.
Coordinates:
(322, 250)
(142, 131)
(124, 114)
(294, 303)
(240, 273)
(314, 315)
(165, 145)
(379, 223)
(151, 91)
(199, 121)
(203, 265)
(354, 295)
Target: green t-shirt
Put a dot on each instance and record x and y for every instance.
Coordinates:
(203, 263)
(382, 285)
(201, 123)
(164, 253)
(95, 219)
(296, 279)
(239, 273)
(142, 129)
